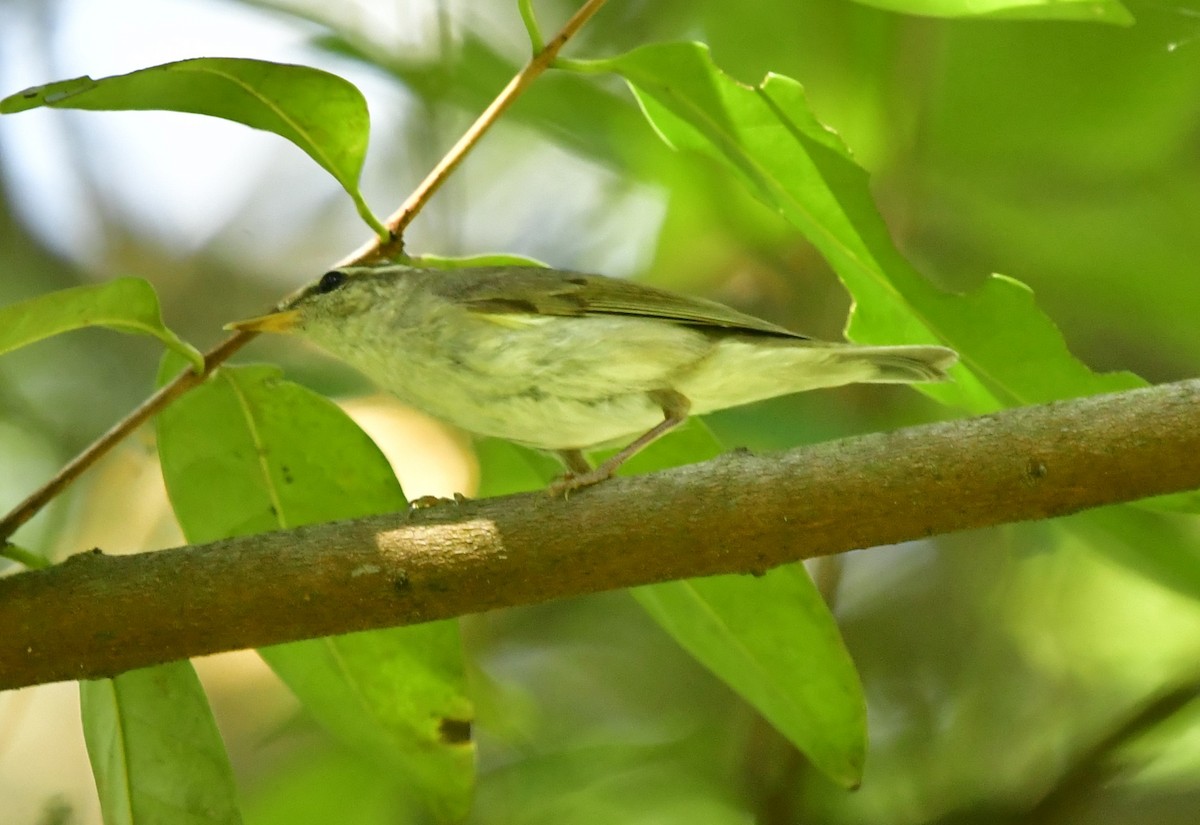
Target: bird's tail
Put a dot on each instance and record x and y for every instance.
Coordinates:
(901, 365)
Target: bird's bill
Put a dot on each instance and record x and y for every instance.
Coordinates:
(283, 321)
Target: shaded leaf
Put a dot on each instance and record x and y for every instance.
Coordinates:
(770, 638)
(589, 784)
(155, 751)
(249, 452)
(507, 468)
(604, 126)
(126, 305)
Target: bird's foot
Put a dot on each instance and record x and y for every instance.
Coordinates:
(564, 485)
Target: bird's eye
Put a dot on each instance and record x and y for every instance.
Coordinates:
(330, 281)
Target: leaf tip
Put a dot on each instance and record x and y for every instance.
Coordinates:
(20, 101)
(47, 94)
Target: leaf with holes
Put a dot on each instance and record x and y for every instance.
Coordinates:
(769, 138)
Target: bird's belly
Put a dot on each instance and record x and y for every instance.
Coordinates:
(559, 423)
(547, 415)
(537, 383)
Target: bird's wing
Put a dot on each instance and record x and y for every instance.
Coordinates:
(536, 291)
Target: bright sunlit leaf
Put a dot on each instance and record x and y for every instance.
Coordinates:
(323, 114)
(126, 305)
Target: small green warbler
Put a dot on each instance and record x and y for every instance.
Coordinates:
(565, 362)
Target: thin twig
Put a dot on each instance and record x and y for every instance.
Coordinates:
(374, 250)
(28, 508)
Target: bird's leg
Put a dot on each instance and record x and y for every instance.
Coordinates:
(675, 408)
(576, 463)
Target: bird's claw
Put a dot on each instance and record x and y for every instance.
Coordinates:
(564, 485)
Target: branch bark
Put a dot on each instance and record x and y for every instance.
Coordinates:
(96, 615)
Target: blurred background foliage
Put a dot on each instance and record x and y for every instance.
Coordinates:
(1032, 673)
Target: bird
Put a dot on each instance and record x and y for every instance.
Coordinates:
(567, 362)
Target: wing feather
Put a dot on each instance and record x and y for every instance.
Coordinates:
(537, 291)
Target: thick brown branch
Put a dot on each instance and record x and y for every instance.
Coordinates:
(738, 513)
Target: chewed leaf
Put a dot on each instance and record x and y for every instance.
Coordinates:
(126, 305)
(768, 136)
(323, 114)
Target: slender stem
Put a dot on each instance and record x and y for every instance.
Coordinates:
(531, 25)
(22, 556)
(374, 250)
(402, 217)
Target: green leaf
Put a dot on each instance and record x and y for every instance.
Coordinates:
(320, 787)
(249, 452)
(770, 139)
(126, 305)
(155, 750)
(771, 638)
(688, 443)
(1087, 11)
(323, 114)
(632, 783)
